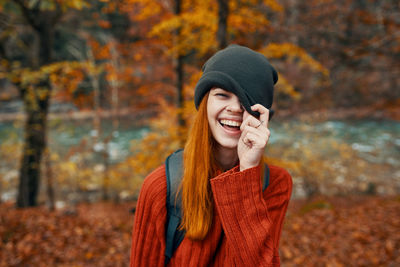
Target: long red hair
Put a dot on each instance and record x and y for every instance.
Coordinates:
(199, 166)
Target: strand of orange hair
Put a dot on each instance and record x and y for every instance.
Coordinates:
(199, 167)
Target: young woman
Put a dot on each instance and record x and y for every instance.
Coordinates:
(228, 219)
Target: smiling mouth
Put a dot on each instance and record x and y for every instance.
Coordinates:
(229, 124)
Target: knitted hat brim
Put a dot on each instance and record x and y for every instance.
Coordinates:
(221, 80)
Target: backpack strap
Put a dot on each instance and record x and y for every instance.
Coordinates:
(174, 173)
(266, 177)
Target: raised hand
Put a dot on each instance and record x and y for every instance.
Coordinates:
(254, 137)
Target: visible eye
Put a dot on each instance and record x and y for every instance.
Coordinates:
(221, 94)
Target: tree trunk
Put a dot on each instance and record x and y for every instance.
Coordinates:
(292, 21)
(49, 178)
(223, 12)
(106, 162)
(115, 85)
(179, 86)
(1, 187)
(36, 107)
(179, 68)
(35, 144)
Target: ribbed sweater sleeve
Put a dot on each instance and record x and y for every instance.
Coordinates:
(148, 236)
(252, 219)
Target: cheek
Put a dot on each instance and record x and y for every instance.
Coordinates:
(211, 110)
(209, 114)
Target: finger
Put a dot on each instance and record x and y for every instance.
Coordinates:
(244, 138)
(263, 135)
(250, 121)
(247, 142)
(254, 140)
(246, 121)
(264, 113)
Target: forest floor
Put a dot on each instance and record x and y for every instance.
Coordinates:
(339, 231)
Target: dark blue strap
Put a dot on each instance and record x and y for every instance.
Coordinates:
(266, 177)
(174, 236)
(173, 224)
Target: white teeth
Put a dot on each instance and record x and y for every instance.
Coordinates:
(230, 123)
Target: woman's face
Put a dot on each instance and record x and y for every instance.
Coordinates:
(225, 115)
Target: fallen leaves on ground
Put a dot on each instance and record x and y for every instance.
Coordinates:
(92, 235)
(356, 231)
(353, 231)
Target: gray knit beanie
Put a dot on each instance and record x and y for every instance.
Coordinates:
(242, 71)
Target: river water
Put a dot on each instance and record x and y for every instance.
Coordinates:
(377, 142)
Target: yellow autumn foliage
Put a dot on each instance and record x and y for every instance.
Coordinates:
(197, 22)
(240, 20)
(54, 4)
(146, 8)
(286, 88)
(274, 5)
(292, 51)
(27, 76)
(197, 31)
(164, 138)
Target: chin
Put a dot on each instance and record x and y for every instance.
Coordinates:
(227, 144)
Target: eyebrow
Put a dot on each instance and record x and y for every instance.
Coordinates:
(217, 88)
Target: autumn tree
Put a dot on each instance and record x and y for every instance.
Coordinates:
(222, 30)
(356, 40)
(27, 45)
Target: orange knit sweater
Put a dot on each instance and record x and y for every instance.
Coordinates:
(246, 224)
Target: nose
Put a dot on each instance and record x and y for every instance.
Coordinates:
(235, 106)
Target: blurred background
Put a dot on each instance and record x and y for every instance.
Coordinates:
(94, 94)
